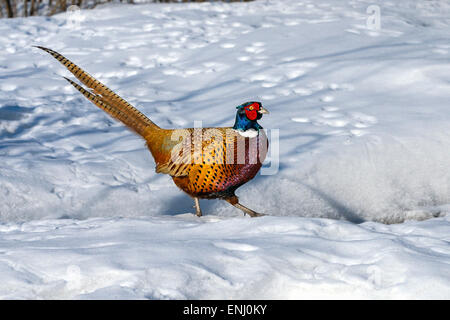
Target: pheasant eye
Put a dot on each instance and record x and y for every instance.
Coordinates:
(251, 107)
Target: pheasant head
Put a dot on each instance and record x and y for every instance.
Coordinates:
(247, 116)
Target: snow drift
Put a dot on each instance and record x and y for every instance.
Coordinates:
(362, 119)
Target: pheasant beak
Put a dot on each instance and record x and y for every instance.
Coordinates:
(263, 111)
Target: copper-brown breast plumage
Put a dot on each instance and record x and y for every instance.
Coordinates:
(212, 171)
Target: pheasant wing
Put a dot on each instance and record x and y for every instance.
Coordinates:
(193, 147)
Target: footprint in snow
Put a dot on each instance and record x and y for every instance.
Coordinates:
(244, 58)
(234, 246)
(227, 45)
(353, 124)
(300, 120)
(255, 48)
(327, 98)
(441, 49)
(330, 109)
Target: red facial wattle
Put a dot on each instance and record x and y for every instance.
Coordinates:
(251, 114)
(251, 111)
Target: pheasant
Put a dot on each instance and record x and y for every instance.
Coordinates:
(205, 163)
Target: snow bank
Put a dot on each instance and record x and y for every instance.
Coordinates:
(184, 257)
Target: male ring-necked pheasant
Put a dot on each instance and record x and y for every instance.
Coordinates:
(206, 163)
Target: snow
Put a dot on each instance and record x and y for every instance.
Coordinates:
(357, 205)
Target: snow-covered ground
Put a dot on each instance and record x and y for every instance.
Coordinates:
(363, 121)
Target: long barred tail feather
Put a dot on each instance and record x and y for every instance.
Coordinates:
(105, 98)
(126, 118)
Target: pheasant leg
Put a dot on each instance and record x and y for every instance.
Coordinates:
(235, 202)
(197, 207)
